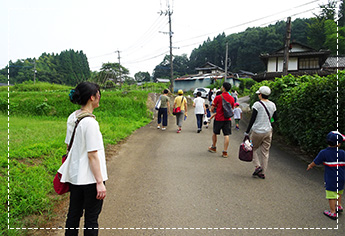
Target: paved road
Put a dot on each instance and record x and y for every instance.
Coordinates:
(164, 183)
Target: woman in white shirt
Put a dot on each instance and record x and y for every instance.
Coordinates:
(85, 167)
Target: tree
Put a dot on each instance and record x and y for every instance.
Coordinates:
(142, 76)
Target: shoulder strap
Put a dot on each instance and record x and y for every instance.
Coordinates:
(182, 101)
(269, 117)
(75, 128)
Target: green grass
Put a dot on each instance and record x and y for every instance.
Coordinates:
(36, 145)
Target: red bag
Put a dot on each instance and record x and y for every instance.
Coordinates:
(176, 110)
(60, 188)
(246, 151)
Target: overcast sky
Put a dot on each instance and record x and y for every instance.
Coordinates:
(133, 27)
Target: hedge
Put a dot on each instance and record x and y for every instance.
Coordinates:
(307, 108)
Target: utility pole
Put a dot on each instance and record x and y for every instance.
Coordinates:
(169, 13)
(287, 47)
(35, 71)
(171, 56)
(226, 62)
(118, 57)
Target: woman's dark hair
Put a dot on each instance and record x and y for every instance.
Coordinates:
(82, 93)
(165, 91)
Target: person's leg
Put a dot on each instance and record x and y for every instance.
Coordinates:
(264, 150)
(226, 143)
(256, 140)
(332, 205)
(75, 211)
(165, 117)
(93, 208)
(159, 116)
(214, 140)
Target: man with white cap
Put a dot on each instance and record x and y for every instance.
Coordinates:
(263, 114)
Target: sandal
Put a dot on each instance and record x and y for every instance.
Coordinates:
(333, 216)
(257, 171)
(340, 209)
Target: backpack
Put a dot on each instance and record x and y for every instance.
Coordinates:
(227, 109)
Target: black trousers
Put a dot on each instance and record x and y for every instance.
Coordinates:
(83, 197)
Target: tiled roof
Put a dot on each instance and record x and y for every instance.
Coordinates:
(331, 62)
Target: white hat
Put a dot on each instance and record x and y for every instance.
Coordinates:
(264, 90)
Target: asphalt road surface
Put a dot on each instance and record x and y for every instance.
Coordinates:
(164, 183)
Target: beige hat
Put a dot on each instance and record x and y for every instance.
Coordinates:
(180, 92)
(264, 90)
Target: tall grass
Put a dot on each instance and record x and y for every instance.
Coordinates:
(37, 127)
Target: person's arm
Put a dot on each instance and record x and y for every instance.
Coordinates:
(311, 165)
(96, 170)
(185, 105)
(252, 120)
(205, 108)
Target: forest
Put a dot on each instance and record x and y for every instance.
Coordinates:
(70, 67)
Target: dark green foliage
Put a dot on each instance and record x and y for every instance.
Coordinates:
(307, 108)
(68, 67)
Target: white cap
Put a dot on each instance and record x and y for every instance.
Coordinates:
(264, 90)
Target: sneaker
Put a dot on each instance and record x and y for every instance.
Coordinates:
(178, 131)
(158, 127)
(333, 216)
(340, 209)
(225, 154)
(212, 149)
(261, 176)
(199, 130)
(164, 129)
(257, 171)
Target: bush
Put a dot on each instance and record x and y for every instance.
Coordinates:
(307, 108)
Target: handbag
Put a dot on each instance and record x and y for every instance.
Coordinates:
(59, 187)
(177, 110)
(158, 103)
(246, 150)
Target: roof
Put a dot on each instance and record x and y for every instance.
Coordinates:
(163, 80)
(334, 62)
(209, 66)
(303, 46)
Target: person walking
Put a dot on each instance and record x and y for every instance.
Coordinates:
(237, 115)
(199, 110)
(220, 122)
(180, 101)
(333, 158)
(85, 168)
(164, 110)
(261, 130)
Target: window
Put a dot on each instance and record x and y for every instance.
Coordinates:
(309, 63)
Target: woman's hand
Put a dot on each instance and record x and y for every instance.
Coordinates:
(101, 191)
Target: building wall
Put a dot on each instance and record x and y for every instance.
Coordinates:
(272, 64)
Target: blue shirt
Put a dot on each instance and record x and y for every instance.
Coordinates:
(334, 162)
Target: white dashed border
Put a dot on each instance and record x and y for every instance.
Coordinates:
(151, 228)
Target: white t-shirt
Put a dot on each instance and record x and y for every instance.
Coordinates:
(262, 123)
(76, 169)
(237, 113)
(199, 105)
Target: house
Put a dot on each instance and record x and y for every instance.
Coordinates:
(302, 60)
(206, 75)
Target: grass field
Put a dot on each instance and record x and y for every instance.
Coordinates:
(37, 128)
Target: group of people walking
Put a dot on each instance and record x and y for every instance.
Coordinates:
(85, 168)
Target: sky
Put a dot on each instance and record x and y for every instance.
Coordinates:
(135, 30)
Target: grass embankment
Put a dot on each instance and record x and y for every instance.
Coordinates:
(37, 128)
